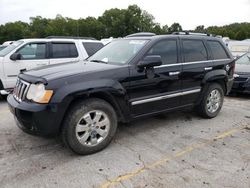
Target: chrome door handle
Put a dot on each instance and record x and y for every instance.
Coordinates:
(174, 73)
(208, 68)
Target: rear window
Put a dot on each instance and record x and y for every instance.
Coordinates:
(194, 50)
(217, 50)
(92, 47)
(64, 50)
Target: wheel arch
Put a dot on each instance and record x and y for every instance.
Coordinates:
(217, 76)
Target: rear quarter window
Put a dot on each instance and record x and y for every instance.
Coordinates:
(217, 50)
(91, 47)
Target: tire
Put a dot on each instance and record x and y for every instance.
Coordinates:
(89, 126)
(3, 97)
(209, 107)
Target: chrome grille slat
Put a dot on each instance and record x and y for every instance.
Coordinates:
(21, 90)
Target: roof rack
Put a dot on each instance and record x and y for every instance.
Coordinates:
(69, 37)
(141, 34)
(191, 33)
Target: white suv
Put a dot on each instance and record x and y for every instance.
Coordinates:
(26, 54)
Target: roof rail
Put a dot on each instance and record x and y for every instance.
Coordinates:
(191, 33)
(141, 34)
(69, 37)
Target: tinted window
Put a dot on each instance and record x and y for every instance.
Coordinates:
(194, 50)
(64, 50)
(167, 50)
(33, 51)
(92, 47)
(217, 50)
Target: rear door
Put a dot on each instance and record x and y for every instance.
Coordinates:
(61, 52)
(195, 65)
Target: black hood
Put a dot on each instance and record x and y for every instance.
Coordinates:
(67, 69)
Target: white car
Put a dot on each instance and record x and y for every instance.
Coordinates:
(26, 54)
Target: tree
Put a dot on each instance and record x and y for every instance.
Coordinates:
(38, 26)
(112, 23)
(175, 27)
(200, 29)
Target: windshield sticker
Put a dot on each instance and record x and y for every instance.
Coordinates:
(105, 59)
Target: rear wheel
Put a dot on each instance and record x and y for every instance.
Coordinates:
(89, 126)
(212, 101)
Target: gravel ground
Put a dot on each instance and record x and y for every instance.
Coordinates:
(172, 150)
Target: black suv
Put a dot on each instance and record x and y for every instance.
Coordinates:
(129, 78)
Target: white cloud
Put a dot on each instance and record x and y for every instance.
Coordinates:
(189, 13)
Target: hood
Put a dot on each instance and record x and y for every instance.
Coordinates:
(67, 69)
(242, 68)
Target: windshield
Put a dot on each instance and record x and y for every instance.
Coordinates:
(118, 52)
(9, 48)
(245, 59)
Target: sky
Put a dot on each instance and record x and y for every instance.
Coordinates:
(189, 13)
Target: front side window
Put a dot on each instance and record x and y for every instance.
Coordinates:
(167, 49)
(33, 51)
(217, 50)
(194, 50)
(64, 50)
(119, 51)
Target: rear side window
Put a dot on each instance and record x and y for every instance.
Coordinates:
(92, 47)
(217, 50)
(167, 49)
(64, 50)
(194, 50)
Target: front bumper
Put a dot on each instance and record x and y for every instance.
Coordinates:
(36, 119)
(241, 86)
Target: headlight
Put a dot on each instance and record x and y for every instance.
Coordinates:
(37, 93)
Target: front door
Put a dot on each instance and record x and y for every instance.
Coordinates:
(32, 55)
(156, 89)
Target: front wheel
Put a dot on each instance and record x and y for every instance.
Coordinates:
(212, 101)
(89, 126)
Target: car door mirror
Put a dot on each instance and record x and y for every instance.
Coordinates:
(150, 61)
(15, 56)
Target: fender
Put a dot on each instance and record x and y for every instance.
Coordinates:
(110, 88)
(215, 75)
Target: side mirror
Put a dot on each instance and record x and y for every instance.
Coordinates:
(15, 56)
(150, 61)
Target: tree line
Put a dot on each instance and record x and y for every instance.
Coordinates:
(112, 23)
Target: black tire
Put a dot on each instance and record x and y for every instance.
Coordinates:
(3, 97)
(202, 108)
(76, 113)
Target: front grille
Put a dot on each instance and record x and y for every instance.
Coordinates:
(20, 90)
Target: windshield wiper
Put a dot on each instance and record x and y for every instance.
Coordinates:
(98, 61)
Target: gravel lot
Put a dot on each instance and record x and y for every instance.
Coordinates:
(173, 150)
